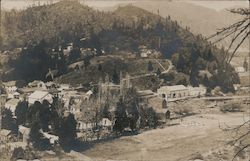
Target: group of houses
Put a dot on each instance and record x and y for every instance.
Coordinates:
(149, 53)
(38, 91)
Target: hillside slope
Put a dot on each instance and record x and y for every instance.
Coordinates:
(123, 31)
(200, 19)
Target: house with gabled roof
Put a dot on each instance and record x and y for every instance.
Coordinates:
(40, 96)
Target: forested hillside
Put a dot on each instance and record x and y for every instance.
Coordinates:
(41, 28)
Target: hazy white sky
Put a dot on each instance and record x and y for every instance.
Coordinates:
(217, 5)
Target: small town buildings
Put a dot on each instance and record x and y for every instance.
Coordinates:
(197, 91)
(24, 133)
(145, 52)
(14, 95)
(53, 139)
(88, 95)
(239, 69)
(146, 94)
(40, 96)
(63, 87)
(51, 85)
(12, 104)
(13, 145)
(68, 49)
(83, 126)
(236, 87)
(37, 84)
(105, 122)
(10, 86)
(5, 135)
(177, 91)
(86, 52)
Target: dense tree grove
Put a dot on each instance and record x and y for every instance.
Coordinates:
(20, 112)
(8, 121)
(36, 137)
(67, 131)
(148, 118)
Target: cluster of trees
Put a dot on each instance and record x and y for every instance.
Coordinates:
(49, 118)
(40, 118)
(129, 114)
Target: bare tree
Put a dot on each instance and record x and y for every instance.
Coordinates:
(238, 31)
(240, 135)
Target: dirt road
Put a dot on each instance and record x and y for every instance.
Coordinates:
(199, 133)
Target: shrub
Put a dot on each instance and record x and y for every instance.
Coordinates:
(184, 111)
(231, 107)
(18, 153)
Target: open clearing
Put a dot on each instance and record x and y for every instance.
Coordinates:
(198, 134)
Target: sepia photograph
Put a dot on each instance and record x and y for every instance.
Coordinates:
(124, 80)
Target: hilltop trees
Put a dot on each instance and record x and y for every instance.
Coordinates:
(32, 60)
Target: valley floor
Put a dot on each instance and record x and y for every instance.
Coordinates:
(196, 137)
